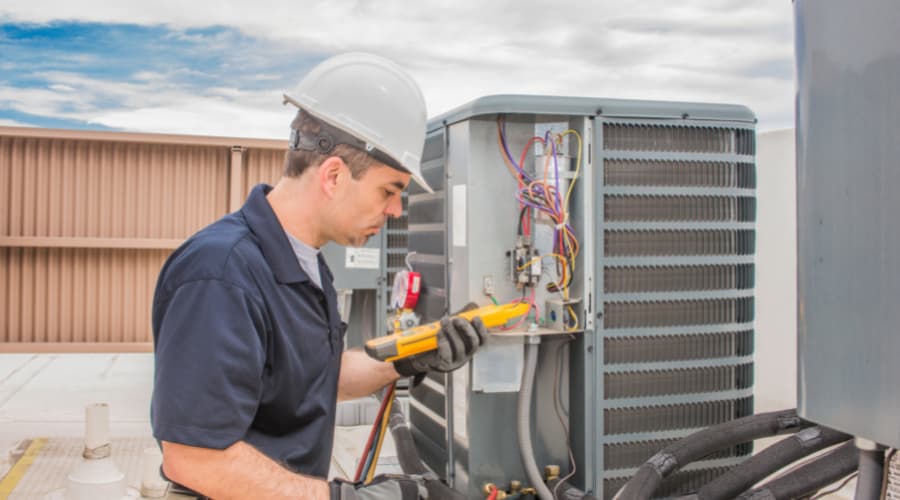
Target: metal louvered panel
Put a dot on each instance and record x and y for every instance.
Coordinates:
(678, 278)
(745, 142)
(702, 242)
(677, 347)
(674, 417)
(633, 137)
(677, 381)
(892, 491)
(680, 208)
(425, 233)
(678, 484)
(673, 173)
(722, 219)
(677, 313)
(396, 244)
(632, 455)
(427, 229)
(397, 240)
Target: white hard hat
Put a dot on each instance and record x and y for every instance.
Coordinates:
(372, 99)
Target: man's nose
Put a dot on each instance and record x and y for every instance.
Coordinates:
(394, 207)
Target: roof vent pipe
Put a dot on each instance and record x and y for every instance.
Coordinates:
(96, 477)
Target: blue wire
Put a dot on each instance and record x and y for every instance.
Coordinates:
(370, 457)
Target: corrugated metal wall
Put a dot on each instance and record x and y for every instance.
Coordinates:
(88, 218)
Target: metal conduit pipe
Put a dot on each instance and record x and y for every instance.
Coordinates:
(411, 463)
(810, 477)
(758, 467)
(523, 421)
(871, 470)
(646, 481)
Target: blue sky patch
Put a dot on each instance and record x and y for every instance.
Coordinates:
(65, 57)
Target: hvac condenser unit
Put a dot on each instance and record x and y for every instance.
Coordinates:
(630, 225)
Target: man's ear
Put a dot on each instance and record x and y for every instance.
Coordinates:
(330, 174)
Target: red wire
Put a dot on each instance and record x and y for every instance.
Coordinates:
(375, 426)
(531, 303)
(526, 228)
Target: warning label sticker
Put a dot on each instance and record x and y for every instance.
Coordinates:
(363, 258)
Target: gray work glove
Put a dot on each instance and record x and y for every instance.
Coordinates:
(458, 340)
(382, 487)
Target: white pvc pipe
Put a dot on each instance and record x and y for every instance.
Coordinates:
(152, 484)
(96, 422)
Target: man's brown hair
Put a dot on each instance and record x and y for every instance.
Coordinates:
(297, 161)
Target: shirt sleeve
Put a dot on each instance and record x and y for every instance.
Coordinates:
(210, 358)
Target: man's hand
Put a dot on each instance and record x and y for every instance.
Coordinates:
(458, 340)
(383, 487)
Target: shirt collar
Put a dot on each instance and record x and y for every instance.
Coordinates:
(272, 238)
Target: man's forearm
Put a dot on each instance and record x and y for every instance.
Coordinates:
(237, 472)
(362, 375)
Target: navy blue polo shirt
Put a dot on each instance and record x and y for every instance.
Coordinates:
(247, 348)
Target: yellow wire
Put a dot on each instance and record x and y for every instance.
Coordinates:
(384, 424)
(539, 257)
(574, 317)
(530, 262)
(577, 164)
(563, 276)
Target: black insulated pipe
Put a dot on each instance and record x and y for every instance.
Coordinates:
(646, 481)
(871, 471)
(411, 463)
(810, 477)
(790, 449)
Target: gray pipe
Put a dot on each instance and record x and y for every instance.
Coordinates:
(871, 470)
(523, 422)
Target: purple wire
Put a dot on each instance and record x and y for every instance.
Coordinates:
(508, 153)
(556, 180)
(556, 186)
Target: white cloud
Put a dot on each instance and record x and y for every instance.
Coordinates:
(152, 106)
(698, 50)
(13, 123)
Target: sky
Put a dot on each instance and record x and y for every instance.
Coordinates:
(220, 68)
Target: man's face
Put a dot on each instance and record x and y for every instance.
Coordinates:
(363, 205)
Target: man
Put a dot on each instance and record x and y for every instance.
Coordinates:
(248, 341)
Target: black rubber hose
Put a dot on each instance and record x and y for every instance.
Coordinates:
(411, 463)
(790, 449)
(871, 473)
(646, 481)
(809, 478)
